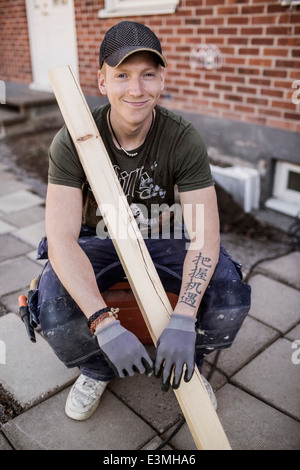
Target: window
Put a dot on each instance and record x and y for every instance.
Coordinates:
(290, 3)
(287, 182)
(137, 7)
(286, 189)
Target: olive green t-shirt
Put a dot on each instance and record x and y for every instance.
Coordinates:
(173, 153)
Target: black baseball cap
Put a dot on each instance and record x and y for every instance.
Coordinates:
(124, 39)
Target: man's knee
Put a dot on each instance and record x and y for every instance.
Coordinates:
(224, 308)
(65, 329)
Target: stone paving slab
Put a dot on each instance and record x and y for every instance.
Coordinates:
(272, 377)
(113, 426)
(26, 217)
(31, 234)
(183, 440)
(4, 444)
(33, 254)
(249, 252)
(10, 301)
(144, 395)
(294, 334)
(9, 184)
(274, 303)
(153, 444)
(251, 424)
(217, 380)
(252, 338)
(6, 227)
(11, 247)
(18, 201)
(276, 219)
(4, 167)
(19, 94)
(31, 371)
(17, 274)
(285, 269)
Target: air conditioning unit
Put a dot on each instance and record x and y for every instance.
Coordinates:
(242, 183)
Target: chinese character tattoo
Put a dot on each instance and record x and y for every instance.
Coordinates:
(198, 276)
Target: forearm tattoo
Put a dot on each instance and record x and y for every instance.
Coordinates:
(198, 278)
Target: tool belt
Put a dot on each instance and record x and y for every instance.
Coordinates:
(25, 313)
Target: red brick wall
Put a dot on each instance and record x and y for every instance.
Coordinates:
(15, 62)
(260, 44)
(90, 31)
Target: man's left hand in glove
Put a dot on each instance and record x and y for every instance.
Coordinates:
(176, 349)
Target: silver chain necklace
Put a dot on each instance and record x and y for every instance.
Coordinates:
(113, 133)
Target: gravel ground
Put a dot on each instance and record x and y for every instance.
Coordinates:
(9, 408)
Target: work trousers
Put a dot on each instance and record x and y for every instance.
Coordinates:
(223, 309)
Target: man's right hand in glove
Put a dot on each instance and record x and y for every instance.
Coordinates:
(123, 351)
(176, 349)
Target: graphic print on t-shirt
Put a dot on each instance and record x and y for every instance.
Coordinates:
(138, 181)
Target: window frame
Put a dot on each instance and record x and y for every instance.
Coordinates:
(114, 8)
(281, 189)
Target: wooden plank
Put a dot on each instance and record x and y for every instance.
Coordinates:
(153, 302)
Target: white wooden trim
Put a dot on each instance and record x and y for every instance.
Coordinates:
(115, 8)
(154, 304)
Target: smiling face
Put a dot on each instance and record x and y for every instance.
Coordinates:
(133, 88)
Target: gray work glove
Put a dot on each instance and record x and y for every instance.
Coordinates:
(123, 351)
(176, 347)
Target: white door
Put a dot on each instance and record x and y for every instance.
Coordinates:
(52, 35)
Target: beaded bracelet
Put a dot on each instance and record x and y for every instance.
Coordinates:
(99, 316)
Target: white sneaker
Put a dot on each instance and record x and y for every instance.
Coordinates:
(84, 397)
(210, 392)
